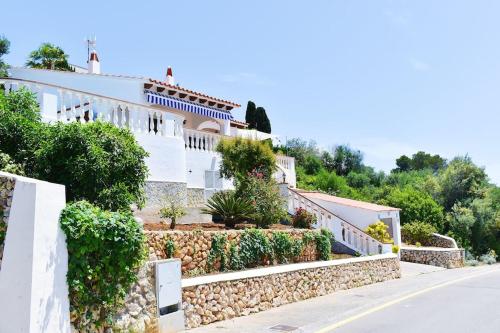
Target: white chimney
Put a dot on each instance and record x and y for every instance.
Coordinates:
(94, 64)
(170, 76)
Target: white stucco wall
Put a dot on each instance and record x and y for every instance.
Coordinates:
(361, 217)
(167, 157)
(200, 161)
(124, 88)
(33, 289)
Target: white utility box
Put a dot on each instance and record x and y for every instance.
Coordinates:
(169, 296)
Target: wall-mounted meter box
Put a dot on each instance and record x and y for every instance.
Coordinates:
(169, 296)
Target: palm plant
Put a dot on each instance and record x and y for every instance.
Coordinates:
(49, 56)
(230, 208)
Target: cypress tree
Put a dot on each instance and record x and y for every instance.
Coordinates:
(250, 116)
(263, 123)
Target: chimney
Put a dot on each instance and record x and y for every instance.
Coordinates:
(170, 76)
(94, 64)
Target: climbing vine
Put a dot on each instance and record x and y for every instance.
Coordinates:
(217, 253)
(105, 251)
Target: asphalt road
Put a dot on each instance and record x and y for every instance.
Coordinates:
(471, 305)
(426, 300)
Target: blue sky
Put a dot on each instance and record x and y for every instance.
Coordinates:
(386, 77)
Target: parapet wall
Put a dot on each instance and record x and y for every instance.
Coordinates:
(6, 192)
(224, 296)
(441, 257)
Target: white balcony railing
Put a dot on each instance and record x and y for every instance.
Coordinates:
(67, 105)
(201, 141)
(286, 162)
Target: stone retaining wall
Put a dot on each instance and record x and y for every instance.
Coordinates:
(224, 296)
(140, 312)
(6, 192)
(441, 257)
(193, 247)
(438, 240)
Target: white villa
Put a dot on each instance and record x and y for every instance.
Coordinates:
(180, 129)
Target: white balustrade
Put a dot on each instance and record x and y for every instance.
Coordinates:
(286, 162)
(345, 232)
(74, 105)
(200, 141)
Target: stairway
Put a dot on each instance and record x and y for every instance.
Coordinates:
(348, 237)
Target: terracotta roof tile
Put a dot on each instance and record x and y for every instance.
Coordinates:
(193, 92)
(345, 201)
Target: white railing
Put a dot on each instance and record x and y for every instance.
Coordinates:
(201, 141)
(286, 162)
(67, 105)
(346, 233)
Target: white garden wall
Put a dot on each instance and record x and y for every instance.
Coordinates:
(33, 289)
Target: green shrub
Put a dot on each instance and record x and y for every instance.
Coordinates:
(170, 248)
(255, 248)
(265, 197)
(489, 258)
(217, 252)
(21, 131)
(235, 262)
(324, 244)
(95, 161)
(282, 244)
(231, 208)
(417, 232)
(172, 209)
(243, 156)
(378, 230)
(395, 249)
(105, 251)
(416, 206)
(8, 165)
(303, 219)
(418, 244)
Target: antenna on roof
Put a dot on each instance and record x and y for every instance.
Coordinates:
(91, 41)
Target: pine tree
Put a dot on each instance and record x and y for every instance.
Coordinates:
(250, 116)
(263, 123)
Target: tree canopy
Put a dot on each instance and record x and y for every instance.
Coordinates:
(49, 56)
(250, 116)
(4, 49)
(455, 198)
(420, 161)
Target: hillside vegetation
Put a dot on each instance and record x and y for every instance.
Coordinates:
(455, 196)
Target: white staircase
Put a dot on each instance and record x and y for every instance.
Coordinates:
(346, 233)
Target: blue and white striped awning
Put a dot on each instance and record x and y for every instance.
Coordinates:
(179, 104)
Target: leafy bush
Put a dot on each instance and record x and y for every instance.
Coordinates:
(255, 248)
(417, 232)
(324, 241)
(243, 156)
(303, 219)
(418, 244)
(235, 262)
(378, 230)
(489, 258)
(21, 131)
(8, 165)
(170, 248)
(282, 244)
(416, 206)
(95, 161)
(269, 205)
(395, 249)
(231, 208)
(217, 253)
(172, 209)
(105, 250)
